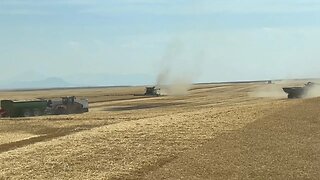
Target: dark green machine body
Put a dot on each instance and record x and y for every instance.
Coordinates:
(23, 108)
(298, 92)
(152, 91)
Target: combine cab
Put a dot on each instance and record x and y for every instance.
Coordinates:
(298, 92)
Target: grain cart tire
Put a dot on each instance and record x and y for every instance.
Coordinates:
(27, 113)
(37, 112)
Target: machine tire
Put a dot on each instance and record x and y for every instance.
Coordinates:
(3, 113)
(37, 112)
(61, 110)
(27, 113)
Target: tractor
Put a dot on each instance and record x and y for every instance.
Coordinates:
(68, 105)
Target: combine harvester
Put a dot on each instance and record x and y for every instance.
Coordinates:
(65, 105)
(152, 91)
(298, 92)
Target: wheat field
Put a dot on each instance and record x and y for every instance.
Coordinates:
(216, 131)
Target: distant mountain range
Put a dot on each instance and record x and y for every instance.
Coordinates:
(78, 80)
(110, 79)
(52, 82)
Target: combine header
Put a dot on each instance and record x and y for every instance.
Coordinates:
(298, 92)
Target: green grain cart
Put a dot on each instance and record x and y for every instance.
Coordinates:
(24, 108)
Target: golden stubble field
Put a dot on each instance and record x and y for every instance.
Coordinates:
(223, 131)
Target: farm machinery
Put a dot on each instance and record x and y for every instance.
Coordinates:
(68, 105)
(23, 108)
(152, 91)
(298, 92)
(65, 105)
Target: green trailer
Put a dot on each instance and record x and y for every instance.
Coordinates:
(24, 108)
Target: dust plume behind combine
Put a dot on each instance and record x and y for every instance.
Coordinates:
(313, 91)
(275, 90)
(269, 91)
(178, 69)
(173, 84)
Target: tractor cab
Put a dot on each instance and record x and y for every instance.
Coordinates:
(68, 100)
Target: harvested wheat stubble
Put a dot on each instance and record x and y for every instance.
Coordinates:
(130, 143)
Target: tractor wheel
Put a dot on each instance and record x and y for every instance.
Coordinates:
(61, 110)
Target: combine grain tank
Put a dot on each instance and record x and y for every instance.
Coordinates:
(23, 108)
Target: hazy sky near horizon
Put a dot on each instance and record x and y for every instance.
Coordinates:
(211, 40)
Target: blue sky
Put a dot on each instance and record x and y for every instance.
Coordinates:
(210, 40)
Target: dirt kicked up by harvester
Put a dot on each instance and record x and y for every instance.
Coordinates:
(64, 105)
(298, 92)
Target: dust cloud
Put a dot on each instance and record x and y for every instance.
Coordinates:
(275, 90)
(269, 91)
(178, 69)
(313, 91)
